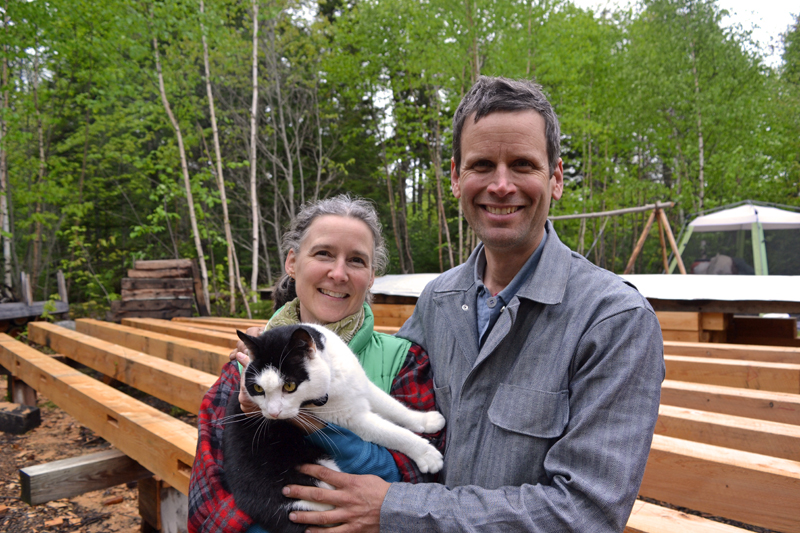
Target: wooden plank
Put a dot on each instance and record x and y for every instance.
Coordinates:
(198, 355)
(176, 329)
(765, 354)
(158, 442)
(737, 432)
(387, 321)
(238, 323)
(9, 311)
(167, 380)
(157, 283)
(199, 291)
(392, 311)
(164, 273)
(211, 327)
(161, 264)
(714, 321)
(777, 377)
(762, 405)
(71, 477)
(725, 306)
(389, 330)
(649, 518)
(678, 321)
(150, 294)
(748, 487)
(165, 304)
(680, 336)
(769, 341)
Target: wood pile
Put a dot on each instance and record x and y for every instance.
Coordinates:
(160, 289)
(727, 440)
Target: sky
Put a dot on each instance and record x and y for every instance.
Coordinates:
(771, 17)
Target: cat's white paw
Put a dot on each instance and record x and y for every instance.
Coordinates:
(430, 462)
(432, 422)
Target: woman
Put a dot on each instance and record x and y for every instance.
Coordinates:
(333, 251)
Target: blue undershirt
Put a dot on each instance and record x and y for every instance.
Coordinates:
(490, 307)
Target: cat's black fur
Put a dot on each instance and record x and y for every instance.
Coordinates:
(260, 455)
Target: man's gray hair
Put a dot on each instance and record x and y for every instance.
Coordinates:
(489, 95)
(343, 206)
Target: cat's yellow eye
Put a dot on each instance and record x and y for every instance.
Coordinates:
(290, 386)
(258, 388)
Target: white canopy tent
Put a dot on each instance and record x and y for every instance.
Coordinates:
(750, 221)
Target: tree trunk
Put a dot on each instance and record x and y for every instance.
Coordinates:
(4, 192)
(37, 239)
(701, 159)
(186, 181)
(436, 156)
(253, 185)
(234, 280)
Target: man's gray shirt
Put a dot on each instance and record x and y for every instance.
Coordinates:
(549, 423)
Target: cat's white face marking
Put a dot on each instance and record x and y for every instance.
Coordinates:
(278, 403)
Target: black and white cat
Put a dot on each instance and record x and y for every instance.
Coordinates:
(308, 368)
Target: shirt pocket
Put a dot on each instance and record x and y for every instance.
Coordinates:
(530, 412)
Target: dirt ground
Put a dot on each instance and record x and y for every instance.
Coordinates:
(60, 436)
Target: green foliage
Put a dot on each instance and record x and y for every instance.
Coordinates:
(359, 97)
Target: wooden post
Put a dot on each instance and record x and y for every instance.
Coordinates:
(672, 244)
(62, 287)
(163, 507)
(663, 243)
(21, 392)
(199, 292)
(640, 243)
(25, 288)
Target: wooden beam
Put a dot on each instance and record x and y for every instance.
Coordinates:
(640, 243)
(71, 477)
(22, 310)
(238, 323)
(663, 244)
(679, 321)
(176, 329)
(21, 392)
(649, 518)
(761, 405)
(764, 354)
(158, 442)
(197, 355)
(62, 287)
(671, 239)
(599, 214)
(172, 382)
(131, 284)
(748, 487)
(725, 306)
(737, 432)
(777, 377)
(160, 264)
(164, 273)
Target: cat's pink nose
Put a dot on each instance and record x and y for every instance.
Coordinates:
(275, 414)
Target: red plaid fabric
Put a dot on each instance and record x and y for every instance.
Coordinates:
(211, 505)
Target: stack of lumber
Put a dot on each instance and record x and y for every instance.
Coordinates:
(160, 289)
(727, 440)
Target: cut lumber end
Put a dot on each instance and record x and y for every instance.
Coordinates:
(18, 419)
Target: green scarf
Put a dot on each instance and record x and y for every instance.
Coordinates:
(289, 315)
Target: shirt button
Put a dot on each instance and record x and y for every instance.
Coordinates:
(465, 307)
(491, 302)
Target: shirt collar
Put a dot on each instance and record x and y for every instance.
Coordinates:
(524, 273)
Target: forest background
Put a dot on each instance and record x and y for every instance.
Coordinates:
(196, 128)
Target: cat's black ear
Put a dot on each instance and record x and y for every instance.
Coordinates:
(302, 340)
(248, 340)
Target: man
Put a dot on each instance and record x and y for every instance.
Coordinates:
(547, 368)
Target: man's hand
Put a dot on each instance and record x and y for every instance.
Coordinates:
(357, 500)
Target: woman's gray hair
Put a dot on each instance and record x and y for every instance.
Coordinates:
(343, 206)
